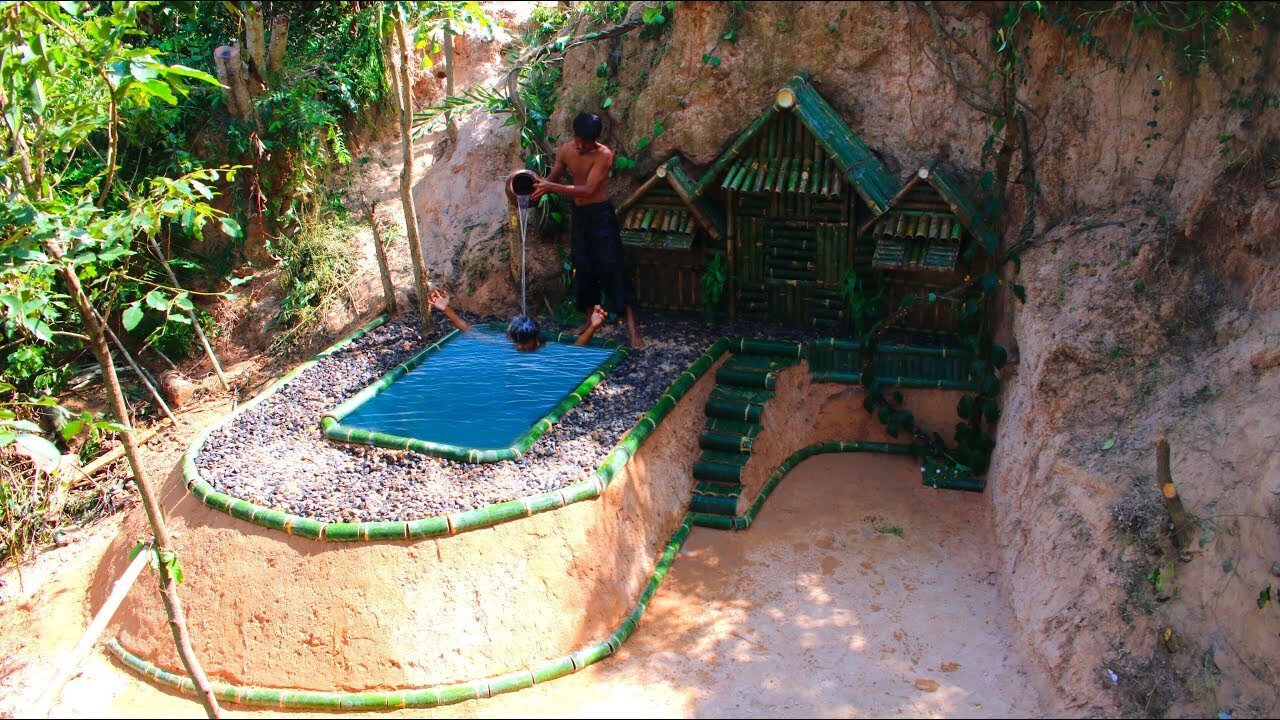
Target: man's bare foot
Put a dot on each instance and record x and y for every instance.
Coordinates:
(636, 341)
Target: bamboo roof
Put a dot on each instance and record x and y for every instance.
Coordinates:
(672, 192)
(771, 156)
(926, 224)
(932, 188)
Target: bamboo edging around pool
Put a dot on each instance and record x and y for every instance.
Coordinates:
(332, 427)
(440, 525)
(742, 522)
(425, 697)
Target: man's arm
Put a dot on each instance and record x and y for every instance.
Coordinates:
(557, 169)
(596, 179)
(597, 317)
(439, 299)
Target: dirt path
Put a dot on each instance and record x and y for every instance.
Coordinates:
(820, 610)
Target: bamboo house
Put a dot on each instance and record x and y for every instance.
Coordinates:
(670, 232)
(797, 201)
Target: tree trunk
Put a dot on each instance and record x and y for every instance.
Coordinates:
(384, 269)
(225, 71)
(255, 42)
(155, 515)
(279, 38)
(227, 60)
(405, 95)
(451, 126)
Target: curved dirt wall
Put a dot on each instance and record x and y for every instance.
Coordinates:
(272, 610)
(803, 412)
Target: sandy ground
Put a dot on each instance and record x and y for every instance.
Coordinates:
(817, 611)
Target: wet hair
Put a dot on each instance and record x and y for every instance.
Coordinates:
(587, 126)
(523, 329)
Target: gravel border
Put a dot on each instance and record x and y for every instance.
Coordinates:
(274, 454)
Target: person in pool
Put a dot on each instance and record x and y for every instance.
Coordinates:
(523, 330)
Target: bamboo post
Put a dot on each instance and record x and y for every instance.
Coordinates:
(195, 321)
(405, 96)
(155, 515)
(388, 289)
(1185, 531)
(72, 662)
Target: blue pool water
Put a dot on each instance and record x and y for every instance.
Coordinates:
(478, 391)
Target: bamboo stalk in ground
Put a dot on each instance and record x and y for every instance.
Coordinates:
(195, 321)
(163, 542)
(91, 634)
(1185, 531)
(405, 97)
(388, 289)
(142, 375)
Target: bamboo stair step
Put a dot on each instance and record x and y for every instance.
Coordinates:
(713, 504)
(725, 426)
(734, 410)
(718, 472)
(749, 378)
(717, 489)
(777, 348)
(721, 457)
(732, 393)
(724, 442)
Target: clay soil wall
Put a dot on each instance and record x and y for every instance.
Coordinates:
(272, 610)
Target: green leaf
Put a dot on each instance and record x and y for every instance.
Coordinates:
(607, 102)
(184, 71)
(715, 61)
(183, 300)
(157, 300)
(71, 429)
(1020, 292)
(37, 96)
(160, 89)
(131, 317)
(39, 328)
(231, 227)
(999, 356)
(1110, 443)
(1264, 597)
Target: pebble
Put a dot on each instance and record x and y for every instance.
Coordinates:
(274, 455)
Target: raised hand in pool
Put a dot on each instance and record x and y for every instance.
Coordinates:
(523, 330)
(439, 300)
(593, 323)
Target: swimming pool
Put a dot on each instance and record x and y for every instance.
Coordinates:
(473, 397)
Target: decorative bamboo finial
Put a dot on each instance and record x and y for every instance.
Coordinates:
(785, 99)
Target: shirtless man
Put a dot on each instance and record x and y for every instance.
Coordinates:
(597, 240)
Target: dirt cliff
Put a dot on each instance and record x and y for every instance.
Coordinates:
(1152, 276)
(1152, 282)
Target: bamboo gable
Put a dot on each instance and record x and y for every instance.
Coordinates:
(804, 147)
(926, 226)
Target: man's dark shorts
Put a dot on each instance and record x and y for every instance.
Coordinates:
(598, 259)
